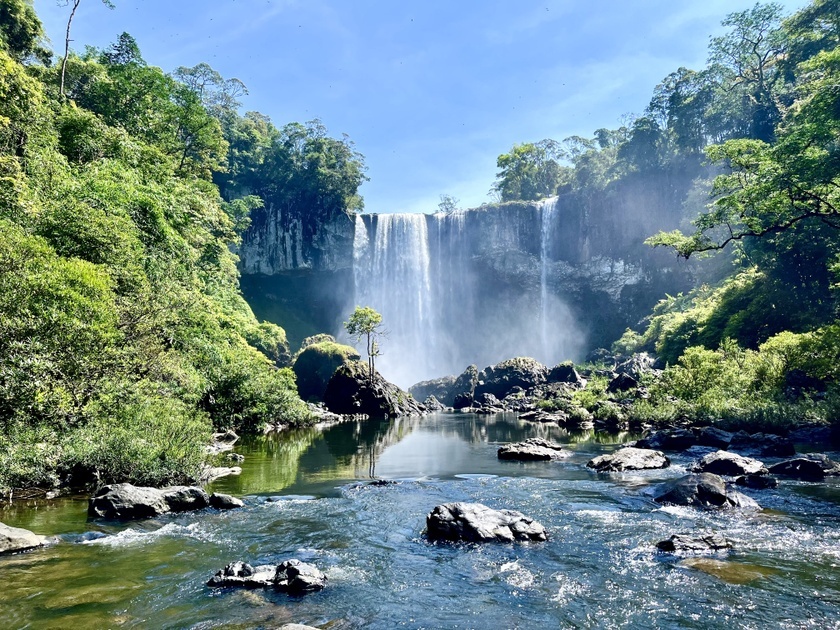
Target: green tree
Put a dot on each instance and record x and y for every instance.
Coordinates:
(448, 203)
(366, 324)
(21, 32)
(529, 172)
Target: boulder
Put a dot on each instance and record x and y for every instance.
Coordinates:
(296, 577)
(463, 401)
(465, 383)
(292, 576)
(629, 458)
(757, 482)
(501, 378)
(351, 390)
(766, 444)
(637, 365)
(225, 501)
(440, 388)
(622, 383)
(729, 465)
(704, 490)
(244, 575)
(433, 404)
(316, 364)
(123, 501)
(712, 436)
(565, 373)
(14, 539)
(810, 467)
(185, 498)
(474, 522)
(669, 440)
(533, 449)
(685, 543)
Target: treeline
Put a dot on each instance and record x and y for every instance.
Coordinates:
(124, 339)
(758, 130)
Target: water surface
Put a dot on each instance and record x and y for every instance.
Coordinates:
(308, 495)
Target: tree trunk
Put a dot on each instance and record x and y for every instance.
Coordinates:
(67, 45)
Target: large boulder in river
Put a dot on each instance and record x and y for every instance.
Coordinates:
(809, 467)
(533, 449)
(123, 501)
(14, 539)
(316, 364)
(292, 576)
(669, 440)
(729, 465)
(352, 390)
(686, 543)
(222, 501)
(439, 388)
(185, 498)
(629, 458)
(501, 378)
(766, 444)
(702, 490)
(474, 522)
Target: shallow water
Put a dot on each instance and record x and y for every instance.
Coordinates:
(307, 497)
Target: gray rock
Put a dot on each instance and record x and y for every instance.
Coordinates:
(622, 383)
(296, 577)
(124, 501)
(810, 467)
(442, 389)
(704, 490)
(225, 501)
(669, 440)
(712, 436)
(501, 378)
(629, 458)
(757, 482)
(729, 464)
(185, 498)
(242, 574)
(433, 404)
(766, 444)
(533, 449)
(14, 539)
(474, 522)
(351, 390)
(685, 543)
(565, 373)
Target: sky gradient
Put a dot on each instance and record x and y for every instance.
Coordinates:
(431, 91)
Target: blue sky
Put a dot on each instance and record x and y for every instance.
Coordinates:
(431, 91)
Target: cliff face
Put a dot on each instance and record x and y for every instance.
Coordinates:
(550, 279)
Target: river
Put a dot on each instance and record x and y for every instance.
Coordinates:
(308, 496)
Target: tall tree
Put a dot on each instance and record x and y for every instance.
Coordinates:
(74, 4)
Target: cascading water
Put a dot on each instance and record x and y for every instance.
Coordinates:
(419, 272)
(392, 275)
(547, 209)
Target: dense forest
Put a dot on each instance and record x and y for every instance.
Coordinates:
(124, 338)
(757, 131)
(124, 190)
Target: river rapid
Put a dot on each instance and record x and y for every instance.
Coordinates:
(308, 495)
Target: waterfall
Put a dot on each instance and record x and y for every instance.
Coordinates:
(439, 282)
(392, 274)
(547, 209)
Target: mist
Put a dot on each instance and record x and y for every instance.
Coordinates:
(432, 277)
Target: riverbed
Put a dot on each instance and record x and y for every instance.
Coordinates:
(309, 495)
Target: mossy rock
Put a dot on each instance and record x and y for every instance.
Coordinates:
(316, 364)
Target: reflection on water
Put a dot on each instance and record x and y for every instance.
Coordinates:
(599, 567)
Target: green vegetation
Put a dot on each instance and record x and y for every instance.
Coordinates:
(124, 339)
(365, 323)
(317, 361)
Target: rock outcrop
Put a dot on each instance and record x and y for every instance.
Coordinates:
(316, 364)
(630, 458)
(703, 490)
(729, 465)
(533, 449)
(809, 467)
(474, 522)
(686, 543)
(351, 390)
(501, 378)
(124, 501)
(291, 576)
(15, 539)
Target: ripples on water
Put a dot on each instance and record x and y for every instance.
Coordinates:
(304, 499)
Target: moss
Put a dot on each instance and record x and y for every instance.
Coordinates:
(316, 364)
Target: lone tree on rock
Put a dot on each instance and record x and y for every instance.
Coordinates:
(365, 323)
